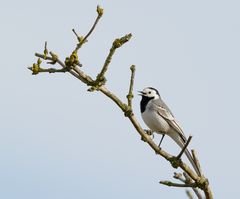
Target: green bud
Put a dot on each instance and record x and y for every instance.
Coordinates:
(100, 11)
(39, 61)
(132, 68)
(35, 69)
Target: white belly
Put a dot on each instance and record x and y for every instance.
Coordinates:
(155, 122)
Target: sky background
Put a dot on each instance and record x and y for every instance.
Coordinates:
(58, 141)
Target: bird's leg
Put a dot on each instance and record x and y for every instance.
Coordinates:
(161, 140)
(149, 132)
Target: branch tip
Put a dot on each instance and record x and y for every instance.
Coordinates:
(130, 92)
(45, 51)
(178, 176)
(172, 184)
(100, 11)
(120, 41)
(80, 39)
(132, 68)
(75, 32)
(83, 40)
(189, 194)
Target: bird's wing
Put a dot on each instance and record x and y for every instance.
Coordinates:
(165, 112)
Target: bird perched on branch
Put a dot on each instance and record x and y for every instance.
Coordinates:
(159, 118)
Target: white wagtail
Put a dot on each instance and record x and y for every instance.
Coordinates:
(159, 118)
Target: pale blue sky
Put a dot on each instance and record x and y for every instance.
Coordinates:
(58, 141)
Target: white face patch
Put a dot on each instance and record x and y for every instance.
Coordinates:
(148, 92)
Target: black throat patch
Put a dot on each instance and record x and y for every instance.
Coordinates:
(144, 102)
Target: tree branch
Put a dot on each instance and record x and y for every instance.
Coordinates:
(116, 44)
(130, 92)
(194, 154)
(59, 62)
(187, 180)
(83, 40)
(71, 65)
(48, 70)
(172, 184)
(189, 194)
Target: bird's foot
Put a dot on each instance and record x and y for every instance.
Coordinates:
(149, 132)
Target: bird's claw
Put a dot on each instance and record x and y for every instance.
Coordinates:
(149, 132)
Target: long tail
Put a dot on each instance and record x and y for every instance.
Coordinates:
(178, 139)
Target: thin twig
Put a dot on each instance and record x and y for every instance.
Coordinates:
(179, 176)
(50, 58)
(49, 70)
(84, 39)
(196, 191)
(62, 65)
(45, 49)
(184, 147)
(116, 44)
(130, 92)
(187, 179)
(194, 154)
(189, 194)
(172, 184)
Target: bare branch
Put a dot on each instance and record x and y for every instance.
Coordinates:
(82, 78)
(194, 154)
(71, 65)
(172, 184)
(130, 93)
(187, 179)
(83, 40)
(179, 176)
(189, 194)
(48, 70)
(50, 58)
(116, 44)
(45, 49)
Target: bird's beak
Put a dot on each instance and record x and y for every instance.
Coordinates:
(141, 93)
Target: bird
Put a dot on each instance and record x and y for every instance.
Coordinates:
(159, 118)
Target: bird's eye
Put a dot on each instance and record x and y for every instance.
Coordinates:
(149, 92)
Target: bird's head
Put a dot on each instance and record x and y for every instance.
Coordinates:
(150, 93)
